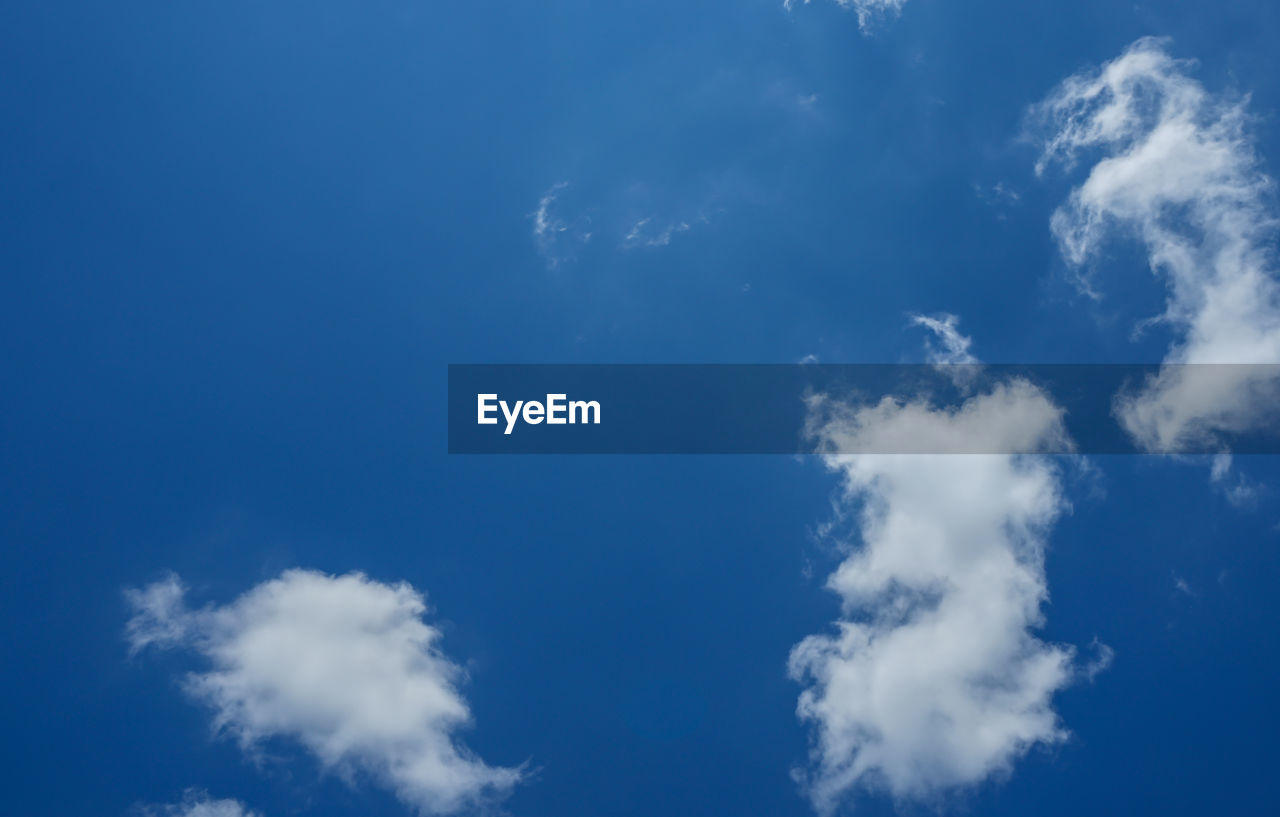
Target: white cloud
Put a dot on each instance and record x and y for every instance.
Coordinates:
(1013, 416)
(868, 10)
(198, 804)
(953, 358)
(559, 238)
(1175, 167)
(1000, 197)
(645, 234)
(1180, 584)
(556, 239)
(934, 678)
(344, 665)
(1238, 489)
(955, 346)
(545, 224)
(1104, 656)
(160, 616)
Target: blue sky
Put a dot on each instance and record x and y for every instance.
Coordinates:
(241, 243)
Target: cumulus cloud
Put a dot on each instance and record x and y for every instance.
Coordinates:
(868, 11)
(934, 678)
(199, 804)
(344, 665)
(1175, 166)
(1011, 417)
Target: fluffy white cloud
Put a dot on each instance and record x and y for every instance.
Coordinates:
(868, 10)
(1010, 417)
(199, 804)
(1174, 166)
(344, 665)
(934, 678)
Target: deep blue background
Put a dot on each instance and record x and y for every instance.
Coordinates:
(239, 242)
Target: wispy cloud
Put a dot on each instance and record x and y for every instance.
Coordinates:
(955, 346)
(1237, 488)
(1103, 657)
(934, 678)
(1000, 197)
(644, 233)
(560, 237)
(196, 803)
(344, 665)
(1175, 166)
(1180, 585)
(557, 240)
(868, 11)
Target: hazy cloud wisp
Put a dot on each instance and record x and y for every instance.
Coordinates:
(557, 240)
(198, 804)
(868, 11)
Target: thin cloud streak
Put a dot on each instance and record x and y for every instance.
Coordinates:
(868, 11)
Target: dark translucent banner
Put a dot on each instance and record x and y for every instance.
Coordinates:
(864, 409)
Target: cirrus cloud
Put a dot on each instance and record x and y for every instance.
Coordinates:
(868, 11)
